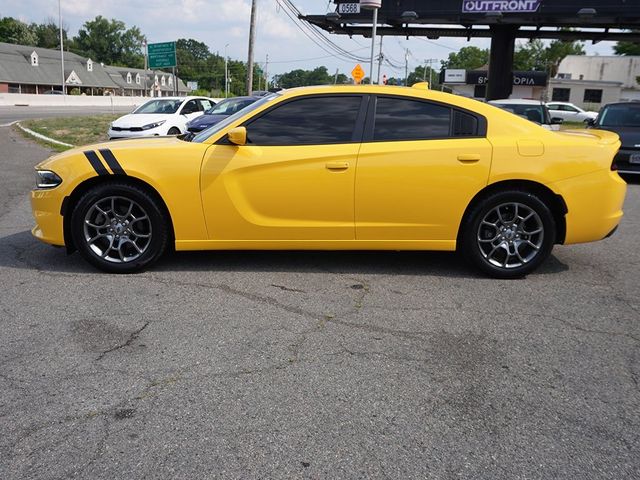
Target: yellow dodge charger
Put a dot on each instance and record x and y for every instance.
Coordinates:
(338, 168)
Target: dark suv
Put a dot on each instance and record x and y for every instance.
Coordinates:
(623, 119)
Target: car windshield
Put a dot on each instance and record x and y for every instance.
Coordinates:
(535, 113)
(620, 116)
(230, 106)
(203, 135)
(159, 106)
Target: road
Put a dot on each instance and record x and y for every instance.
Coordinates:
(314, 365)
(10, 114)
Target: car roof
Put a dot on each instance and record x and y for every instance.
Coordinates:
(517, 101)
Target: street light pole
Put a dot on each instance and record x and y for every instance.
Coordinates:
(372, 5)
(64, 92)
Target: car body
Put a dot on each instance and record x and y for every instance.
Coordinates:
(623, 119)
(219, 112)
(160, 116)
(338, 168)
(570, 112)
(532, 110)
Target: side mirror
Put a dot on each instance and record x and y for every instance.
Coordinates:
(238, 136)
(556, 120)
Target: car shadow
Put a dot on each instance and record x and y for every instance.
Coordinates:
(22, 250)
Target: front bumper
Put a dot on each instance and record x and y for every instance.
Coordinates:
(45, 205)
(115, 134)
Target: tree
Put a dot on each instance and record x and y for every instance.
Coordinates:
(422, 73)
(627, 48)
(48, 34)
(468, 58)
(317, 76)
(17, 32)
(109, 41)
(535, 55)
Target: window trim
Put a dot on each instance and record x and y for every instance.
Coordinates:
(358, 129)
(370, 123)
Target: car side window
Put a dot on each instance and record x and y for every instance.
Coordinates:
(405, 119)
(204, 104)
(189, 107)
(307, 121)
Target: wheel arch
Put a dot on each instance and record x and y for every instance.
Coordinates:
(554, 201)
(69, 203)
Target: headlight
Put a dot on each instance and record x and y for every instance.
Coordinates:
(47, 179)
(153, 125)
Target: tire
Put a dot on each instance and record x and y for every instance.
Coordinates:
(508, 234)
(173, 131)
(119, 227)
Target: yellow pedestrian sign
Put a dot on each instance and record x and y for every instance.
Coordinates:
(357, 73)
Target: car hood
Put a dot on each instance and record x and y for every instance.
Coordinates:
(207, 120)
(142, 143)
(629, 136)
(139, 119)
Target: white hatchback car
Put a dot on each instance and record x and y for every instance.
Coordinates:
(160, 116)
(569, 112)
(532, 110)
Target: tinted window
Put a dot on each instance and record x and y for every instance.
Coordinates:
(593, 96)
(308, 121)
(620, 116)
(401, 119)
(464, 125)
(561, 94)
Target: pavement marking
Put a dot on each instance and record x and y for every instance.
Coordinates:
(10, 123)
(42, 137)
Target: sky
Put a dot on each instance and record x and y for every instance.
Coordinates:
(219, 23)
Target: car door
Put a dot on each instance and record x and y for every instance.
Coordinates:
(294, 178)
(555, 110)
(419, 166)
(191, 109)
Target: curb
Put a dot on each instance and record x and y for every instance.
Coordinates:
(42, 137)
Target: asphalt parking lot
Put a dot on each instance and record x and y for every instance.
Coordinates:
(314, 365)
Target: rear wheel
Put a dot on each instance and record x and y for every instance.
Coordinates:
(509, 234)
(119, 228)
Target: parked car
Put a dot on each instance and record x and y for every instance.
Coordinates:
(160, 116)
(434, 172)
(219, 112)
(623, 119)
(570, 112)
(532, 110)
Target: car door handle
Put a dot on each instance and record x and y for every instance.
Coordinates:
(337, 165)
(468, 157)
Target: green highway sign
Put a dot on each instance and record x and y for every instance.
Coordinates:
(162, 55)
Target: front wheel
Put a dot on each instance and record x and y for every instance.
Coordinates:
(173, 131)
(119, 227)
(509, 234)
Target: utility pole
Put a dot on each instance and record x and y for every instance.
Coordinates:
(335, 78)
(64, 90)
(406, 66)
(380, 58)
(266, 73)
(252, 39)
(424, 76)
(146, 66)
(226, 73)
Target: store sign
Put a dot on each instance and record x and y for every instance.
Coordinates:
(530, 79)
(507, 6)
(455, 75)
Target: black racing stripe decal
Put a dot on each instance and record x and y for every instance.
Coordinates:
(111, 161)
(96, 163)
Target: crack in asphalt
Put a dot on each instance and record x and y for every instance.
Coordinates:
(134, 335)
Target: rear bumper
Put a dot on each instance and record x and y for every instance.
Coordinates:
(594, 202)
